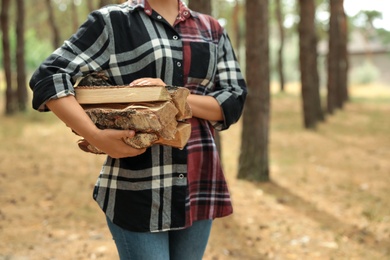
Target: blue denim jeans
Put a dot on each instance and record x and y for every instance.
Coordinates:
(188, 244)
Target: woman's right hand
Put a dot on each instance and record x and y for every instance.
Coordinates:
(111, 142)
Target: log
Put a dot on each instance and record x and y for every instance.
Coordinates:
(145, 117)
(144, 140)
(179, 98)
(182, 136)
(120, 94)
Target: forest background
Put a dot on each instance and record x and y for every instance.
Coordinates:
(326, 196)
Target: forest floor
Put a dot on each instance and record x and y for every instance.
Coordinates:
(328, 197)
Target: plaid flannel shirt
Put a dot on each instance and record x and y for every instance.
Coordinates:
(164, 188)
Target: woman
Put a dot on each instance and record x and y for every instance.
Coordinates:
(159, 202)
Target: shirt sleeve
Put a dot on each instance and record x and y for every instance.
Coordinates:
(230, 91)
(83, 53)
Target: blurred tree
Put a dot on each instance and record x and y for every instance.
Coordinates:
(91, 6)
(279, 20)
(53, 25)
(109, 2)
(20, 56)
(337, 57)
(236, 26)
(202, 6)
(9, 93)
(75, 17)
(312, 111)
(254, 156)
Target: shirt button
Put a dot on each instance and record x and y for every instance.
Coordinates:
(175, 37)
(178, 64)
(181, 176)
(159, 17)
(147, 11)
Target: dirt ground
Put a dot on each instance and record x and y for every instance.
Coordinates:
(329, 197)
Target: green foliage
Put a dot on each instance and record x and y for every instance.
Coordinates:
(384, 36)
(36, 50)
(365, 73)
(365, 19)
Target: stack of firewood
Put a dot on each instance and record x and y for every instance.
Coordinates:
(157, 113)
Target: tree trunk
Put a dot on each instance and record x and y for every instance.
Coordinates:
(344, 64)
(9, 93)
(75, 17)
(104, 3)
(254, 157)
(279, 18)
(308, 65)
(53, 25)
(236, 26)
(110, 2)
(91, 6)
(202, 6)
(337, 57)
(20, 57)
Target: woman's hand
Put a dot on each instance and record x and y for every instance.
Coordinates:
(111, 142)
(147, 81)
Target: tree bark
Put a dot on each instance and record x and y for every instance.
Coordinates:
(53, 25)
(9, 93)
(254, 157)
(202, 6)
(236, 26)
(75, 17)
(337, 57)
(344, 64)
(90, 4)
(20, 57)
(109, 2)
(279, 18)
(312, 111)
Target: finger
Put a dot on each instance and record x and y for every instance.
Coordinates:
(120, 134)
(128, 133)
(139, 81)
(147, 81)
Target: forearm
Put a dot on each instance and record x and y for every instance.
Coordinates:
(205, 107)
(72, 114)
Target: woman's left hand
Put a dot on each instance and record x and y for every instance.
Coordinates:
(147, 81)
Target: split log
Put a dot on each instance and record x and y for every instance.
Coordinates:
(156, 113)
(182, 136)
(144, 140)
(179, 98)
(157, 117)
(121, 94)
